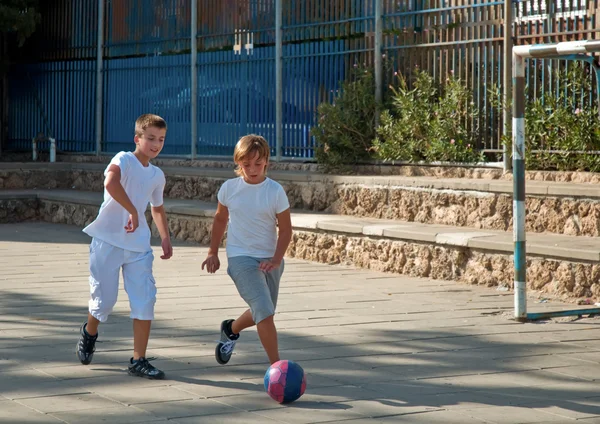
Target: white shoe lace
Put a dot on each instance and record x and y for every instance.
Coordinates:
(227, 347)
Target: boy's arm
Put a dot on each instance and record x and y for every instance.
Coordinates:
(160, 219)
(284, 222)
(112, 184)
(218, 229)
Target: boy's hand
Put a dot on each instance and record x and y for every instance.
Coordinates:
(132, 223)
(268, 266)
(167, 249)
(212, 263)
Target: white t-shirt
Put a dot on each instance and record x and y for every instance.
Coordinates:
(252, 216)
(142, 184)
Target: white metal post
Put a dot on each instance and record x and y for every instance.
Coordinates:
(52, 149)
(378, 60)
(506, 83)
(278, 79)
(518, 138)
(194, 79)
(99, 81)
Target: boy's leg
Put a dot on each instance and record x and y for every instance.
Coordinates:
(92, 325)
(259, 290)
(268, 337)
(244, 321)
(105, 262)
(141, 289)
(141, 334)
(266, 328)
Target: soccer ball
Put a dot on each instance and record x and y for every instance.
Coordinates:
(285, 381)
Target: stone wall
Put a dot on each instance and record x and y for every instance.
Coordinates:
(182, 227)
(483, 210)
(67, 213)
(404, 169)
(18, 210)
(493, 211)
(557, 278)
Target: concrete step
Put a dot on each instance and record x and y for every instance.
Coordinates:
(561, 265)
(556, 207)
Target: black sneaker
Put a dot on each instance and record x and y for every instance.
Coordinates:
(225, 346)
(143, 368)
(86, 346)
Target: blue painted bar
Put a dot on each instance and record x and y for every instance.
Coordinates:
(554, 314)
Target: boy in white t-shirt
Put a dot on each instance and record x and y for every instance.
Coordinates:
(253, 206)
(121, 240)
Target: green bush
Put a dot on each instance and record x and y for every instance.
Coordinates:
(560, 129)
(429, 123)
(346, 128)
(558, 135)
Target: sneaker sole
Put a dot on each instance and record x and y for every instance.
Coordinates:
(218, 357)
(149, 377)
(77, 354)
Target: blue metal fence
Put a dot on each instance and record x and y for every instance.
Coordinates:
(55, 99)
(236, 96)
(150, 84)
(147, 64)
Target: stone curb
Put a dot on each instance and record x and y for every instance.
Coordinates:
(533, 188)
(547, 245)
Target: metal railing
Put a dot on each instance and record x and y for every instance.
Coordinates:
(265, 65)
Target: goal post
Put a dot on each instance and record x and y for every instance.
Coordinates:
(571, 49)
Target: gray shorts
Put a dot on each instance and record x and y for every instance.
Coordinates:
(258, 288)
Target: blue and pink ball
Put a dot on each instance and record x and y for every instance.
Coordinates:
(285, 381)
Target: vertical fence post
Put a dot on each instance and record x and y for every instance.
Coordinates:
(518, 139)
(99, 80)
(278, 79)
(378, 60)
(507, 80)
(194, 79)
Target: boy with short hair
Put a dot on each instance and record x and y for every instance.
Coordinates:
(121, 240)
(253, 206)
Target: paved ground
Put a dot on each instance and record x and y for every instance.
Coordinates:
(376, 347)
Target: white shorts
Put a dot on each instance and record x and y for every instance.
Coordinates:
(106, 261)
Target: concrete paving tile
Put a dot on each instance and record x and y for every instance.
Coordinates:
(361, 421)
(508, 379)
(513, 415)
(311, 412)
(578, 371)
(132, 394)
(592, 358)
(33, 390)
(237, 418)
(433, 417)
(385, 407)
(372, 343)
(13, 412)
(90, 371)
(255, 401)
(66, 403)
(187, 408)
(573, 409)
(410, 389)
(342, 393)
(205, 388)
(113, 415)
